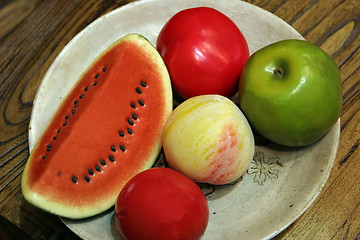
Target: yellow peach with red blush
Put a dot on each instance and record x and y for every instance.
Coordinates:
(208, 139)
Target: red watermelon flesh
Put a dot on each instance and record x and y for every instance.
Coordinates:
(107, 129)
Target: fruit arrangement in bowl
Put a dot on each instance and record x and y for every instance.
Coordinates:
(100, 146)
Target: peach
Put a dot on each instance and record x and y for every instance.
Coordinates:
(208, 139)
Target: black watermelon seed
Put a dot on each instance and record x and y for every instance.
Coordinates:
(43, 157)
(129, 131)
(48, 147)
(81, 96)
(55, 138)
(67, 117)
(58, 131)
(90, 171)
(133, 105)
(95, 83)
(97, 168)
(96, 76)
(59, 174)
(86, 88)
(143, 83)
(130, 121)
(64, 124)
(138, 90)
(122, 134)
(76, 102)
(102, 162)
(141, 102)
(111, 158)
(134, 116)
(104, 69)
(122, 148)
(73, 111)
(113, 148)
(87, 178)
(74, 179)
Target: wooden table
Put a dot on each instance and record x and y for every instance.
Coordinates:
(33, 32)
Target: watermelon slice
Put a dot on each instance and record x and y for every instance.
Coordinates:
(106, 130)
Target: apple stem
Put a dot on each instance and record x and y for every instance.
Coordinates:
(279, 72)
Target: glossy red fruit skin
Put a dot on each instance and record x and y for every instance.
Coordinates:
(204, 51)
(161, 204)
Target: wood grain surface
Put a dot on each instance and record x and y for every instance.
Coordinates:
(33, 32)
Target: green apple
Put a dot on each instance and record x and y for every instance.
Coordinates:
(291, 93)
